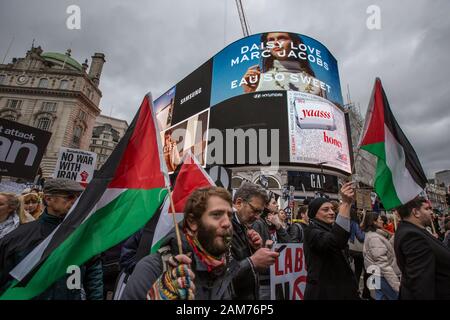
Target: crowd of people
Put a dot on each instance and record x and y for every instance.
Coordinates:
(226, 248)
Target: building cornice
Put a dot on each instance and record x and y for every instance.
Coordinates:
(61, 72)
(51, 92)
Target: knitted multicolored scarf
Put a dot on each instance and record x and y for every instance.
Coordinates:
(212, 263)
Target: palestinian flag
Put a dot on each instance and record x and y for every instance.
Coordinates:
(120, 200)
(399, 176)
(190, 177)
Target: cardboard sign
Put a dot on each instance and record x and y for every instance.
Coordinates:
(75, 164)
(21, 149)
(288, 274)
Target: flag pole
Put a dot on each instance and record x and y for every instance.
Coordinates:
(395, 221)
(177, 229)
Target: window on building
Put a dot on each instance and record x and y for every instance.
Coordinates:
(105, 143)
(43, 83)
(77, 131)
(10, 117)
(44, 123)
(2, 78)
(14, 104)
(272, 183)
(63, 84)
(49, 106)
(106, 136)
(82, 115)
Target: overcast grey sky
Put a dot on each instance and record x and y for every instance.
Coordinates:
(151, 45)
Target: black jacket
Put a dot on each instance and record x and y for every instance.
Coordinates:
(16, 245)
(329, 273)
(209, 286)
(297, 232)
(424, 262)
(246, 282)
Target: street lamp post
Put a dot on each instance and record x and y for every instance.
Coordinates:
(321, 191)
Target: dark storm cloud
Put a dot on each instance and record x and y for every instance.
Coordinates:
(151, 45)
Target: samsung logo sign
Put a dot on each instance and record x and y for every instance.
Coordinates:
(191, 95)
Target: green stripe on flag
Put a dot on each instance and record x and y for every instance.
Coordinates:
(157, 245)
(107, 227)
(384, 186)
(376, 149)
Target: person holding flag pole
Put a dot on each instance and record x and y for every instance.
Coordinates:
(205, 269)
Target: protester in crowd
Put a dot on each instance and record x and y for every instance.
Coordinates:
(388, 226)
(280, 70)
(436, 229)
(205, 269)
(9, 218)
(329, 273)
(33, 204)
(423, 260)
(296, 229)
(11, 213)
(283, 219)
(247, 246)
(269, 226)
(59, 195)
(378, 252)
(270, 229)
(356, 242)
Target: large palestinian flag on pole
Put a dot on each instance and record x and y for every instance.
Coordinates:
(399, 176)
(120, 200)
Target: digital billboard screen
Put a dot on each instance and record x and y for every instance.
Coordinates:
(280, 82)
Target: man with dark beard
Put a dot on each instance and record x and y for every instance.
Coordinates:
(204, 271)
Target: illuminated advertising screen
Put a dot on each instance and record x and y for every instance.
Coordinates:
(317, 132)
(275, 61)
(273, 81)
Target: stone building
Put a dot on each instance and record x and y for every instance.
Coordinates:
(106, 135)
(53, 92)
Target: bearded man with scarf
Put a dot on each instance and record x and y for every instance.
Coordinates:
(329, 274)
(204, 271)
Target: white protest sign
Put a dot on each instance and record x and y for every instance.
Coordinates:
(288, 274)
(75, 164)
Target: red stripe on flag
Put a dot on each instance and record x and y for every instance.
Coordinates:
(375, 129)
(140, 166)
(191, 177)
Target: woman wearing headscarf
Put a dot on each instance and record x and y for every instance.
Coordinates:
(330, 276)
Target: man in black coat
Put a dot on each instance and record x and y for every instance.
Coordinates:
(270, 229)
(423, 260)
(59, 196)
(204, 270)
(326, 237)
(247, 246)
